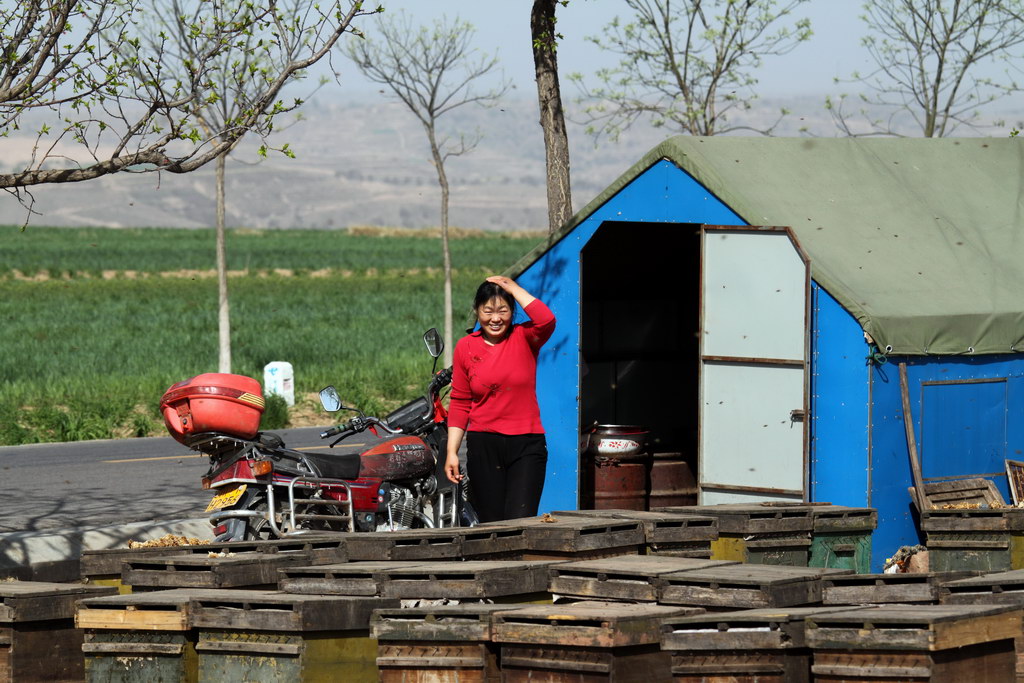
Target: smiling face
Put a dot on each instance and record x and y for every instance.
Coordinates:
(495, 318)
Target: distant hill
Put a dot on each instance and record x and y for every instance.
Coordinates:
(368, 164)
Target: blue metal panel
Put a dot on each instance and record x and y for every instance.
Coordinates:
(840, 462)
(950, 448)
(664, 193)
(964, 424)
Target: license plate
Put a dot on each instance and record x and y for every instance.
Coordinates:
(226, 499)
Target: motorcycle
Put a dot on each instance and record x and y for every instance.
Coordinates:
(265, 490)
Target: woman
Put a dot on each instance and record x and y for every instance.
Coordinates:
(494, 378)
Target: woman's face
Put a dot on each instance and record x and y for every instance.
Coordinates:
(495, 317)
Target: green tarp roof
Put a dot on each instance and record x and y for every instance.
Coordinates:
(922, 240)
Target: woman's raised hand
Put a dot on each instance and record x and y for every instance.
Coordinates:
(506, 283)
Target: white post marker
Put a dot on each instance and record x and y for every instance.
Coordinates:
(278, 379)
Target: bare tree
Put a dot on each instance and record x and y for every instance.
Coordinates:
(927, 54)
(129, 105)
(432, 70)
(687, 64)
(238, 78)
(552, 118)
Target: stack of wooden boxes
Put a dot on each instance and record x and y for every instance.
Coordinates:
(611, 595)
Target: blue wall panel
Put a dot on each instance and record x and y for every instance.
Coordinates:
(840, 405)
(961, 430)
(664, 193)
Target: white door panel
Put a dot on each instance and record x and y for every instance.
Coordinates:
(753, 378)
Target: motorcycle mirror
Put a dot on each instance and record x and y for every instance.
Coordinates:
(330, 400)
(434, 342)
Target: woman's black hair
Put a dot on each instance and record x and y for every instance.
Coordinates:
(487, 291)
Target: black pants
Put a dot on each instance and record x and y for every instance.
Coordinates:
(506, 474)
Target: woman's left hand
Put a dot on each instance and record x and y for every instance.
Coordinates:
(506, 283)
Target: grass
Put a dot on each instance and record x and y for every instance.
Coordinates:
(77, 252)
(86, 357)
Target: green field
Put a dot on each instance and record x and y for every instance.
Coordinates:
(98, 323)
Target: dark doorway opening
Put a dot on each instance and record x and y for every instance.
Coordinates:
(639, 342)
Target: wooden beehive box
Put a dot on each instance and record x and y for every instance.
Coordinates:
(937, 643)
(1001, 588)
(875, 589)
(743, 586)
(744, 647)
(140, 636)
(664, 532)
(841, 537)
(244, 570)
(274, 636)
(631, 578)
(578, 538)
(38, 637)
(437, 643)
(982, 539)
(759, 533)
(603, 641)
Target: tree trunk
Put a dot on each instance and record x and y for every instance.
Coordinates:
(442, 180)
(552, 119)
(223, 315)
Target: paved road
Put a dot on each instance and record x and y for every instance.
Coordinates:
(57, 486)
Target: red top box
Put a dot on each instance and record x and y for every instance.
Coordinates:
(213, 402)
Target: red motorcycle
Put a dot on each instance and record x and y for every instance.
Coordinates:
(265, 490)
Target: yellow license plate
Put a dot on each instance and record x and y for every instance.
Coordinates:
(223, 500)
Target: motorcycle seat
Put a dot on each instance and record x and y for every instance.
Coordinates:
(341, 466)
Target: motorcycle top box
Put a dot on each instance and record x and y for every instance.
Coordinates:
(213, 402)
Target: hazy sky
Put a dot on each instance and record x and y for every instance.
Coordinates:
(504, 26)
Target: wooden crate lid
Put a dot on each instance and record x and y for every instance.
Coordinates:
(167, 610)
(659, 527)
(911, 587)
(751, 518)
(751, 575)
(998, 587)
(968, 520)
(839, 518)
(574, 534)
(755, 629)
(634, 566)
(628, 577)
(744, 586)
(322, 545)
(22, 601)
(344, 578)
(246, 610)
(584, 624)
(411, 544)
(913, 627)
(466, 622)
(472, 579)
(199, 571)
(490, 539)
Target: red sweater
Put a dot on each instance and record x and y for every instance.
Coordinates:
(494, 388)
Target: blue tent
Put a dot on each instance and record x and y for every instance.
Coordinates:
(748, 300)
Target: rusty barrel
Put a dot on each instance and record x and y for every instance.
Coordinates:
(672, 480)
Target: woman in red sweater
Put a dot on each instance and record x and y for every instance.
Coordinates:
(494, 403)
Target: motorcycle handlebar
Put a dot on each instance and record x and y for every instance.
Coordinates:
(357, 425)
(441, 380)
(331, 432)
